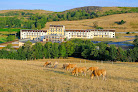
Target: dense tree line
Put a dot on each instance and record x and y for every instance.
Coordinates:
(75, 48)
(16, 13)
(34, 22)
(94, 12)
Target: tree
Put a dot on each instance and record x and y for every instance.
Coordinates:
(27, 49)
(47, 50)
(135, 42)
(113, 53)
(102, 50)
(55, 50)
(38, 26)
(120, 54)
(37, 50)
(94, 54)
(33, 26)
(10, 38)
(86, 53)
(69, 48)
(62, 51)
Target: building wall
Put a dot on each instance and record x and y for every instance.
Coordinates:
(78, 34)
(32, 34)
(69, 33)
(56, 29)
(54, 38)
(93, 33)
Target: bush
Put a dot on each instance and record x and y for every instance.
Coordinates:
(120, 22)
(127, 32)
(99, 27)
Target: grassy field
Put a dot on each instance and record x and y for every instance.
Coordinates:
(9, 30)
(3, 39)
(31, 76)
(107, 22)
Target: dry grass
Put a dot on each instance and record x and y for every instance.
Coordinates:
(30, 76)
(107, 22)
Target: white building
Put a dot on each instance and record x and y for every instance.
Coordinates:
(90, 33)
(68, 33)
(32, 34)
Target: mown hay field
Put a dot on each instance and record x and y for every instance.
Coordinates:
(107, 22)
(31, 76)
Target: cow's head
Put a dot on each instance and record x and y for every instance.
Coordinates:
(73, 72)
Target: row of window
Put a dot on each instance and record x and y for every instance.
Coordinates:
(56, 29)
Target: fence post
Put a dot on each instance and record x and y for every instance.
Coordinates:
(80, 61)
(85, 61)
(26, 59)
(112, 62)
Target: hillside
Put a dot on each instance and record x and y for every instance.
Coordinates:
(29, 11)
(107, 22)
(31, 76)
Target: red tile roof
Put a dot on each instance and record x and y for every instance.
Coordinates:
(24, 30)
(56, 25)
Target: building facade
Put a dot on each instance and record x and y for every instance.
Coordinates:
(32, 34)
(59, 30)
(90, 33)
(56, 29)
(57, 38)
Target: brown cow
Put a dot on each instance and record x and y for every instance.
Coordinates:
(47, 63)
(98, 73)
(79, 70)
(70, 66)
(55, 64)
(92, 69)
(65, 65)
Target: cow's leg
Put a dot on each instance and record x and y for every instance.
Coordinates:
(77, 74)
(81, 73)
(97, 77)
(85, 73)
(91, 77)
(104, 78)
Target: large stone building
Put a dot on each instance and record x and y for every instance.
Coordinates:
(59, 30)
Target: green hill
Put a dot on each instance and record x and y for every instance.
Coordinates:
(36, 19)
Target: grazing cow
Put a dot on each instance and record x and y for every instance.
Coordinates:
(47, 63)
(98, 73)
(92, 69)
(79, 70)
(65, 65)
(55, 64)
(70, 66)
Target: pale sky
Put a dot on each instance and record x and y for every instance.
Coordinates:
(62, 5)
